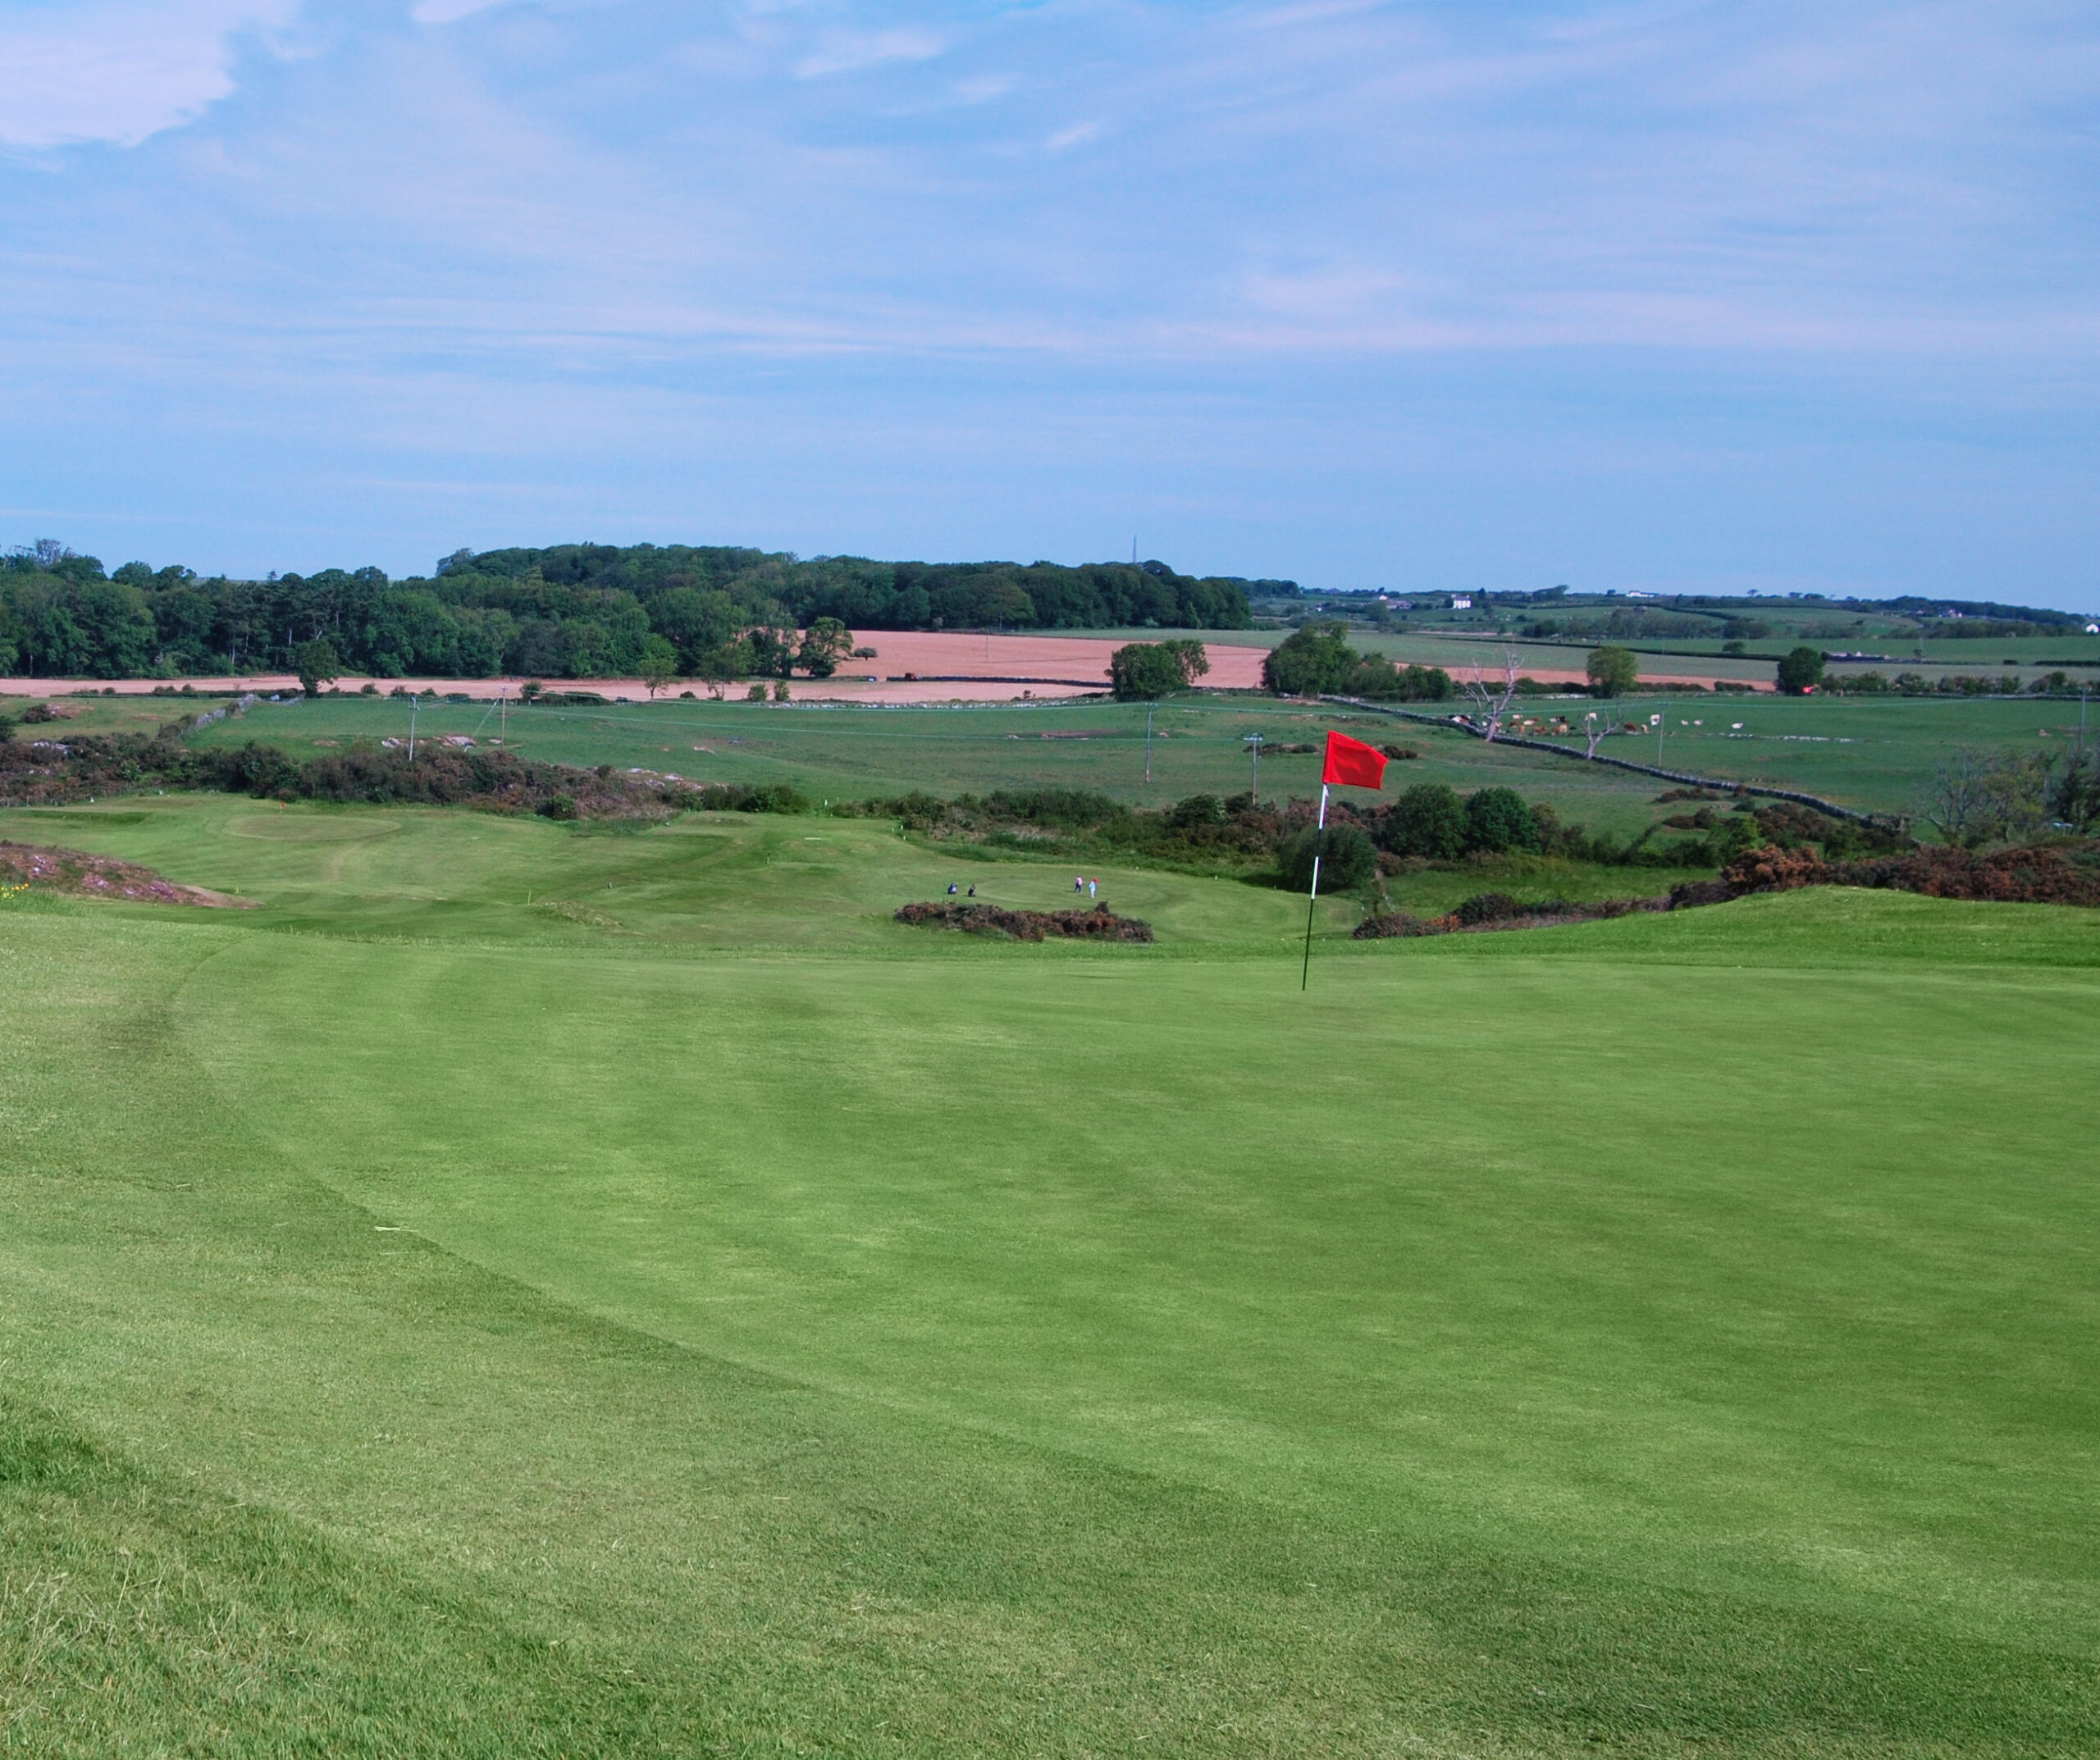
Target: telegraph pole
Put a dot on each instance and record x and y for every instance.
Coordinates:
(1254, 751)
(1150, 707)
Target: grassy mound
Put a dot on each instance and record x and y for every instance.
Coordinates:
(27, 867)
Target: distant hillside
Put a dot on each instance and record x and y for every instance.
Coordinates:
(576, 610)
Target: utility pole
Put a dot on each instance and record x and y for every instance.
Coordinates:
(1150, 707)
(1254, 751)
(415, 703)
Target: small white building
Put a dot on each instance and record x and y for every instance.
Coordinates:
(1461, 605)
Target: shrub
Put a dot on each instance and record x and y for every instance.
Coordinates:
(1348, 858)
(1734, 836)
(557, 807)
(1428, 821)
(1499, 907)
(2044, 875)
(1489, 907)
(1198, 813)
(1399, 923)
(740, 797)
(1100, 923)
(1497, 819)
(776, 797)
(1065, 808)
(1382, 682)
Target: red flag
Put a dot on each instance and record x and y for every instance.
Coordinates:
(1353, 763)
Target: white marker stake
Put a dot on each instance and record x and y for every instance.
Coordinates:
(1319, 838)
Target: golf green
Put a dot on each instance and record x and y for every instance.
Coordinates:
(520, 1290)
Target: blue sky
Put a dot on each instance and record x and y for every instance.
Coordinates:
(1661, 295)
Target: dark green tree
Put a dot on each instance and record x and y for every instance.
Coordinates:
(1801, 671)
(825, 643)
(1309, 661)
(1614, 671)
(1144, 671)
(699, 624)
(317, 664)
(767, 652)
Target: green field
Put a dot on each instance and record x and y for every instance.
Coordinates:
(1874, 754)
(1200, 746)
(530, 1290)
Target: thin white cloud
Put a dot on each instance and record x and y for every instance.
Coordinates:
(450, 11)
(847, 51)
(984, 88)
(123, 70)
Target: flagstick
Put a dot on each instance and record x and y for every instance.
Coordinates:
(1319, 841)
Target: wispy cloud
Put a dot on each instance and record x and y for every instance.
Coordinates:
(122, 69)
(855, 52)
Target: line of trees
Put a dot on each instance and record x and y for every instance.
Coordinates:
(573, 611)
(1316, 660)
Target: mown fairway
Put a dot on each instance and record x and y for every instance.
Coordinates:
(523, 1291)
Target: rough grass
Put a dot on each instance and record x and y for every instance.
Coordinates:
(452, 1328)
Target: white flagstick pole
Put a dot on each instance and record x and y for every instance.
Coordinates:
(1319, 839)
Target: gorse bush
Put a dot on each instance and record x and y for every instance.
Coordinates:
(1497, 819)
(1066, 809)
(738, 797)
(437, 776)
(1433, 822)
(1347, 859)
(1428, 821)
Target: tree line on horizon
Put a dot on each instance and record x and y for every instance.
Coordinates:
(571, 611)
